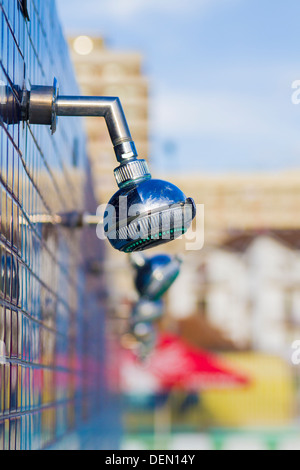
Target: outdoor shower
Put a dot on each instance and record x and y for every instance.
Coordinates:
(144, 212)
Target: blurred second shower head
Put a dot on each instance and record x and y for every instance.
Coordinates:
(154, 275)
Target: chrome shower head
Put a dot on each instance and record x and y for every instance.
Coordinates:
(147, 213)
(154, 276)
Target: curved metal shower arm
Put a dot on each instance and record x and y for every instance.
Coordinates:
(108, 107)
(43, 104)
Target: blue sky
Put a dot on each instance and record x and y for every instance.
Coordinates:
(220, 75)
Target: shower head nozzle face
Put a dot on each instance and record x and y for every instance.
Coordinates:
(147, 214)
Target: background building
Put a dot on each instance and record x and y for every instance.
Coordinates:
(242, 213)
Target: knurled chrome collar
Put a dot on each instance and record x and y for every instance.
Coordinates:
(131, 171)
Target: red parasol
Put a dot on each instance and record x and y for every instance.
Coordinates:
(175, 364)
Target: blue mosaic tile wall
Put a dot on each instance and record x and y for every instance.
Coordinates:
(52, 362)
